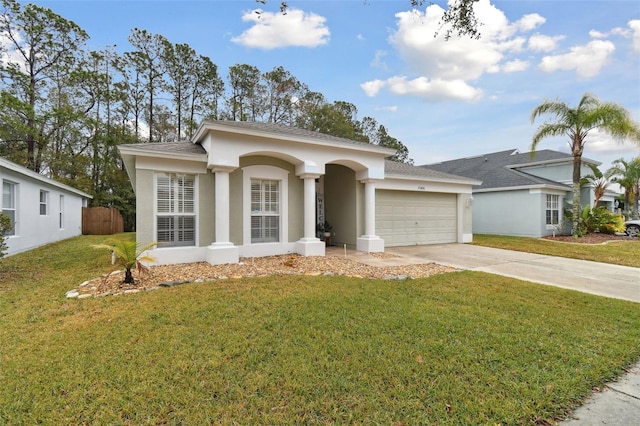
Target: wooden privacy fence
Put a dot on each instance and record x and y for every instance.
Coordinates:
(101, 221)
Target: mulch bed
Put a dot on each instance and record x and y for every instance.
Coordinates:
(593, 238)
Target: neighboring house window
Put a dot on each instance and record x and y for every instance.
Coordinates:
(265, 211)
(9, 204)
(61, 213)
(44, 203)
(553, 209)
(175, 203)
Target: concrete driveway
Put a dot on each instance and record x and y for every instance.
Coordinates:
(620, 282)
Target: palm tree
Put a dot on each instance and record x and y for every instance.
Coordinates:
(128, 254)
(627, 175)
(576, 123)
(598, 181)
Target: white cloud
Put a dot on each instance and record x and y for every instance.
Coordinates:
(436, 89)
(543, 43)
(272, 30)
(442, 69)
(586, 60)
(360, 37)
(516, 65)
(597, 34)
(371, 88)
(635, 28)
(600, 144)
(378, 60)
(8, 53)
(530, 22)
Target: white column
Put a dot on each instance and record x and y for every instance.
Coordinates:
(222, 250)
(369, 208)
(222, 206)
(370, 242)
(309, 207)
(309, 245)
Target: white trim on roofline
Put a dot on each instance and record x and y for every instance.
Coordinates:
(522, 187)
(461, 181)
(274, 134)
(37, 176)
(549, 162)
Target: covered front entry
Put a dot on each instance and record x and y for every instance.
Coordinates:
(411, 218)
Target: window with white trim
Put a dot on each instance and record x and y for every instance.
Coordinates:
(553, 209)
(9, 204)
(44, 203)
(265, 211)
(175, 209)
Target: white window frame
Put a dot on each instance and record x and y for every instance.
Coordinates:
(178, 208)
(265, 173)
(12, 206)
(44, 203)
(265, 209)
(552, 204)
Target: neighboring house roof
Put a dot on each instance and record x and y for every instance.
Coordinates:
(505, 169)
(33, 175)
(402, 170)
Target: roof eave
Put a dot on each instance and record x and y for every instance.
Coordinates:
(521, 187)
(462, 181)
(208, 126)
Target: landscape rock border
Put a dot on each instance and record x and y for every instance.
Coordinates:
(164, 276)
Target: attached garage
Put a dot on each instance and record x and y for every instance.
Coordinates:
(412, 218)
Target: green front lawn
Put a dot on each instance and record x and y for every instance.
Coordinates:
(458, 348)
(626, 253)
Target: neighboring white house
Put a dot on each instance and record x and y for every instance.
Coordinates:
(41, 210)
(245, 189)
(521, 194)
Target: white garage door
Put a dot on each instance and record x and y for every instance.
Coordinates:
(408, 218)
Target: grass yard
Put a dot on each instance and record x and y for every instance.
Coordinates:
(457, 348)
(626, 253)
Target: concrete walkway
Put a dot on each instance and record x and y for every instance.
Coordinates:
(620, 282)
(619, 402)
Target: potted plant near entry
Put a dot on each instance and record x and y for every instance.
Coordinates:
(327, 229)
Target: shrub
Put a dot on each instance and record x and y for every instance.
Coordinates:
(5, 226)
(599, 219)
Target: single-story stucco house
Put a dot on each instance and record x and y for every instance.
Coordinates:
(247, 189)
(521, 194)
(41, 210)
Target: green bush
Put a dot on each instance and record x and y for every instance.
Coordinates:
(5, 226)
(599, 219)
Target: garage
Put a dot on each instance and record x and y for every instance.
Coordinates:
(412, 218)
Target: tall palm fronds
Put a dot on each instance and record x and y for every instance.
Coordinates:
(576, 123)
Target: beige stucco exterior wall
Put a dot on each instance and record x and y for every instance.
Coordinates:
(341, 211)
(145, 216)
(206, 207)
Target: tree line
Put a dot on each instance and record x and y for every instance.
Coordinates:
(64, 109)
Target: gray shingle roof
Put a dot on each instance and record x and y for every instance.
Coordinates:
(499, 169)
(395, 168)
(286, 130)
(181, 147)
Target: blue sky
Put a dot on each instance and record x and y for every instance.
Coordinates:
(443, 100)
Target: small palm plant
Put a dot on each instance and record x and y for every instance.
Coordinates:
(129, 254)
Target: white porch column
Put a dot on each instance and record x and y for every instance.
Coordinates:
(309, 244)
(222, 250)
(370, 242)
